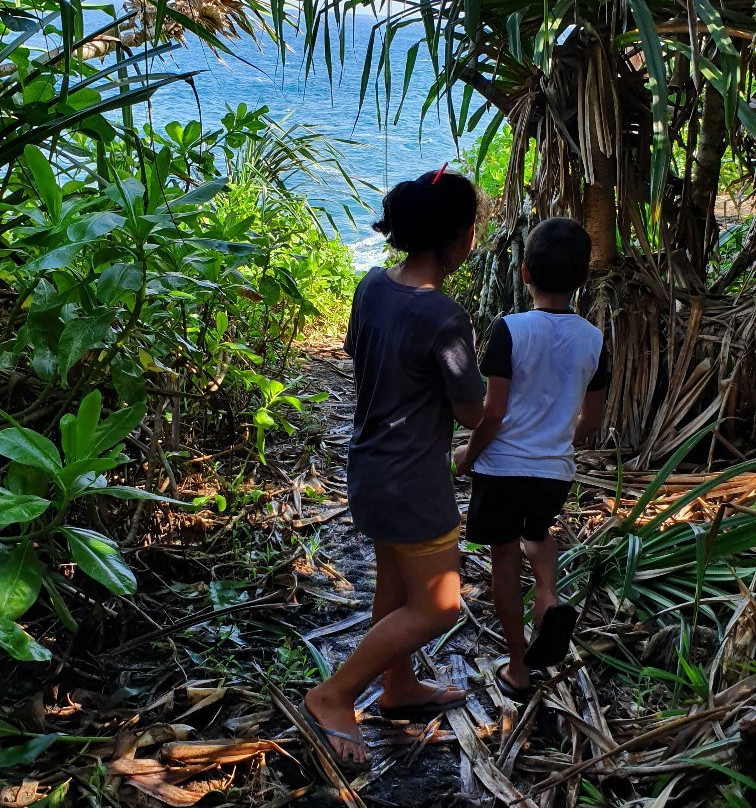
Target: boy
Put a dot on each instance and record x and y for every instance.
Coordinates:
(547, 380)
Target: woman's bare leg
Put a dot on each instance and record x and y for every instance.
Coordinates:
(400, 683)
(432, 585)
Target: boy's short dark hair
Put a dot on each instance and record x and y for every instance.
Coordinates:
(557, 255)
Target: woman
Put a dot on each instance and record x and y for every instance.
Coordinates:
(415, 371)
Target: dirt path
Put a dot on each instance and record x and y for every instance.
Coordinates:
(414, 765)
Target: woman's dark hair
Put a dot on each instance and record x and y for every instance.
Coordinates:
(557, 254)
(425, 215)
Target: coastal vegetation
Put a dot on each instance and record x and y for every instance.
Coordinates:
(174, 407)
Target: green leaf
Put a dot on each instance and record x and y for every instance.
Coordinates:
(13, 756)
(197, 196)
(20, 508)
(117, 279)
(20, 645)
(728, 57)
(87, 421)
(30, 448)
(91, 227)
(649, 492)
(8, 730)
(44, 181)
(58, 258)
(262, 418)
(241, 249)
(81, 335)
(23, 479)
(97, 557)
(116, 427)
(20, 580)
(127, 492)
(657, 84)
(61, 609)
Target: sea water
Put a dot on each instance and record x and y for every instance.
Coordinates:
(380, 156)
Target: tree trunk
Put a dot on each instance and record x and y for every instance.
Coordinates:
(599, 211)
(711, 149)
(705, 180)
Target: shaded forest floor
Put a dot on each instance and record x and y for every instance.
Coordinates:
(193, 683)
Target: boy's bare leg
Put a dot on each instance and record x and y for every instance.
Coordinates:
(543, 557)
(400, 683)
(432, 585)
(506, 563)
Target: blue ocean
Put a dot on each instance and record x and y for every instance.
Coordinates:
(380, 155)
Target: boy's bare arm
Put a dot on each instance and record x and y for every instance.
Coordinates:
(468, 414)
(591, 415)
(494, 408)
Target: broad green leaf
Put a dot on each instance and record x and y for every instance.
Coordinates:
(58, 258)
(87, 421)
(197, 196)
(13, 756)
(20, 580)
(116, 427)
(20, 508)
(30, 448)
(44, 181)
(22, 646)
(98, 558)
(116, 279)
(71, 474)
(262, 418)
(81, 335)
(23, 479)
(94, 225)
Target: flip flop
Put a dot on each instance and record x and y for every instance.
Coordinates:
(323, 733)
(518, 694)
(551, 639)
(427, 709)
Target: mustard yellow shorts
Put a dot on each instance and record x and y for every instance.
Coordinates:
(424, 548)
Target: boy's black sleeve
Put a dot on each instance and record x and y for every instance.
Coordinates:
(497, 359)
(601, 377)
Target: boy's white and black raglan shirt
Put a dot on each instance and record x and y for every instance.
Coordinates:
(552, 358)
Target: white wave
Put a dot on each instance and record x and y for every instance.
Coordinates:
(368, 253)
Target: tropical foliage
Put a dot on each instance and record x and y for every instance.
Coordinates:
(139, 281)
(607, 92)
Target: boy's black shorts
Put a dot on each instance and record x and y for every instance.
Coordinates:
(504, 508)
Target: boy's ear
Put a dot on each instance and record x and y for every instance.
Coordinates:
(525, 274)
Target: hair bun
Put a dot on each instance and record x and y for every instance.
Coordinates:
(423, 215)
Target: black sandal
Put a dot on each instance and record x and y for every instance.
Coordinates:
(518, 694)
(551, 639)
(425, 710)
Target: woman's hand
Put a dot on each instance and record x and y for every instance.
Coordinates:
(463, 465)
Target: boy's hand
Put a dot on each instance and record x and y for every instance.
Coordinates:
(463, 465)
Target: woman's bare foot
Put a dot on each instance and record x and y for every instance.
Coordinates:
(414, 692)
(333, 715)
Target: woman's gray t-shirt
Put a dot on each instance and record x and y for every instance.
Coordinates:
(414, 356)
